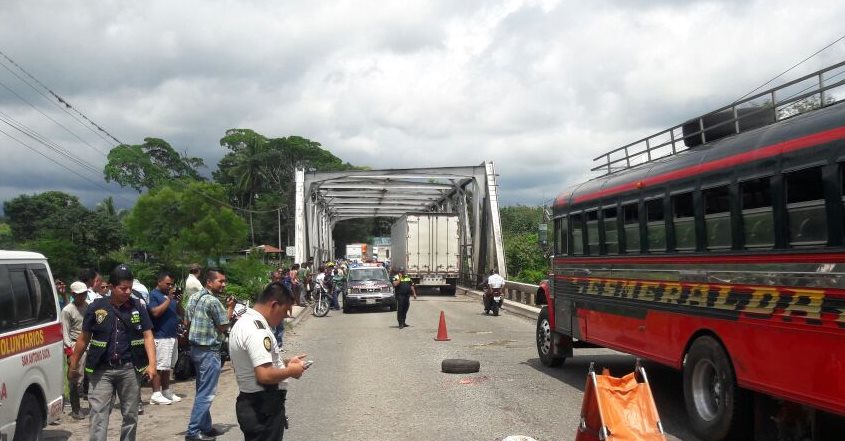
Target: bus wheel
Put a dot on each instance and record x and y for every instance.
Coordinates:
(544, 340)
(30, 421)
(717, 407)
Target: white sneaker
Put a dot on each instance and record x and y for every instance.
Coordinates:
(171, 396)
(158, 398)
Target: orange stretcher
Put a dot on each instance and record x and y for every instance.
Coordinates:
(619, 409)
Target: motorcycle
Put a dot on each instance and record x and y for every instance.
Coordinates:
(492, 300)
(240, 309)
(322, 301)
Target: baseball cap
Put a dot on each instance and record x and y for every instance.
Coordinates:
(121, 273)
(78, 287)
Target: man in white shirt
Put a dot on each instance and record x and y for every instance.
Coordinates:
(495, 280)
(192, 283)
(93, 281)
(260, 371)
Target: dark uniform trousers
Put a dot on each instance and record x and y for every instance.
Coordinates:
(261, 415)
(403, 303)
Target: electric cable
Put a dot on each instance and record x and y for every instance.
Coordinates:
(793, 67)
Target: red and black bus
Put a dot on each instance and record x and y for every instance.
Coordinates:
(724, 258)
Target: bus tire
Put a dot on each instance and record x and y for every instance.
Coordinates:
(717, 407)
(30, 421)
(544, 340)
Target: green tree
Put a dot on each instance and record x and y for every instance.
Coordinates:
(30, 216)
(258, 173)
(185, 223)
(149, 165)
(525, 260)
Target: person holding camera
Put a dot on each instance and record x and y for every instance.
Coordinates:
(166, 311)
(121, 340)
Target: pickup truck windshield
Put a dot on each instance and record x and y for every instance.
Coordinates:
(360, 275)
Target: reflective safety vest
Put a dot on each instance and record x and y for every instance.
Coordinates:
(405, 283)
(102, 328)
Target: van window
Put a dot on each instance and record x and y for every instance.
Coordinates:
(717, 217)
(593, 232)
(656, 226)
(805, 206)
(684, 222)
(31, 299)
(611, 232)
(757, 218)
(632, 228)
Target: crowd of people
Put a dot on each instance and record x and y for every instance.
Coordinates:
(118, 335)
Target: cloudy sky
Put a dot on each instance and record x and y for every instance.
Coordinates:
(539, 87)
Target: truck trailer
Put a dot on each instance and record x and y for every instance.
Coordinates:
(427, 246)
(358, 252)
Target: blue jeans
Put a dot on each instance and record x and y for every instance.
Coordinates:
(279, 332)
(207, 365)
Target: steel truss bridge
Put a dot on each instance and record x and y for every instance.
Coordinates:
(325, 198)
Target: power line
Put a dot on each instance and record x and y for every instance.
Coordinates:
(64, 152)
(793, 67)
(96, 184)
(50, 118)
(59, 98)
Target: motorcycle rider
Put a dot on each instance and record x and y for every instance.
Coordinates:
(494, 282)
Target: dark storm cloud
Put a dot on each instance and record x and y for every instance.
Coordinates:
(539, 87)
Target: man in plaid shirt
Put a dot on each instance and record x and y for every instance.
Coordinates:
(208, 320)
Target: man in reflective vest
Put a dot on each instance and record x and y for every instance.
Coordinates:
(403, 287)
(119, 330)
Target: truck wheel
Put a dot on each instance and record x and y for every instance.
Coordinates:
(544, 340)
(30, 421)
(718, 409)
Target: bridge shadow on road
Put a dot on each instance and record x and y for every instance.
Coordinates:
(666, 384)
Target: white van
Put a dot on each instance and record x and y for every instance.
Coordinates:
(31, 353)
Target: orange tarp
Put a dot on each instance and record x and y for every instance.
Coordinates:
(618, 409)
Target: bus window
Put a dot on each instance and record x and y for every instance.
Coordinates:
(593, 232)
(611, 233)
(684, 222)
(655, 225)
(717, 217)
(805, 207)
(632, 228)
(561, 236)
(757, 213)
(577, 228)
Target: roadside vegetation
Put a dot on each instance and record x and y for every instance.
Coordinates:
(182, 217)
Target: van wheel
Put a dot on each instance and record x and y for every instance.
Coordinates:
(30, 422)
(718, 409)
(544, 340)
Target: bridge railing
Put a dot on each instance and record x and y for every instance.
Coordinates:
(524, 293)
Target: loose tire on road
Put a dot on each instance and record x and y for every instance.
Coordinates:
(30, 421)
(718, 409)
(460, 366)
(544, 340)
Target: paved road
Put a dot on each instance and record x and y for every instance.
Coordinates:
(373, 381)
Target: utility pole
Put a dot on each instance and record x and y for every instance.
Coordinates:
(279, 211)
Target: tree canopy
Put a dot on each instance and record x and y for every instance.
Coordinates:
(149, 165)
(185, 223)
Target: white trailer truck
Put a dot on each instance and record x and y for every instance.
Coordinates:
(427, 246)
(358, 252)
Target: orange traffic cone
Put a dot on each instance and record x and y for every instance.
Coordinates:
(441, 330)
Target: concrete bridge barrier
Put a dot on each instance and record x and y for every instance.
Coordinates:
(519, 298)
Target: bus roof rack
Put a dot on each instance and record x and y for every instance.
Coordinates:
(810, 92)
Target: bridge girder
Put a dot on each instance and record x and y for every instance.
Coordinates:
(325, 198)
